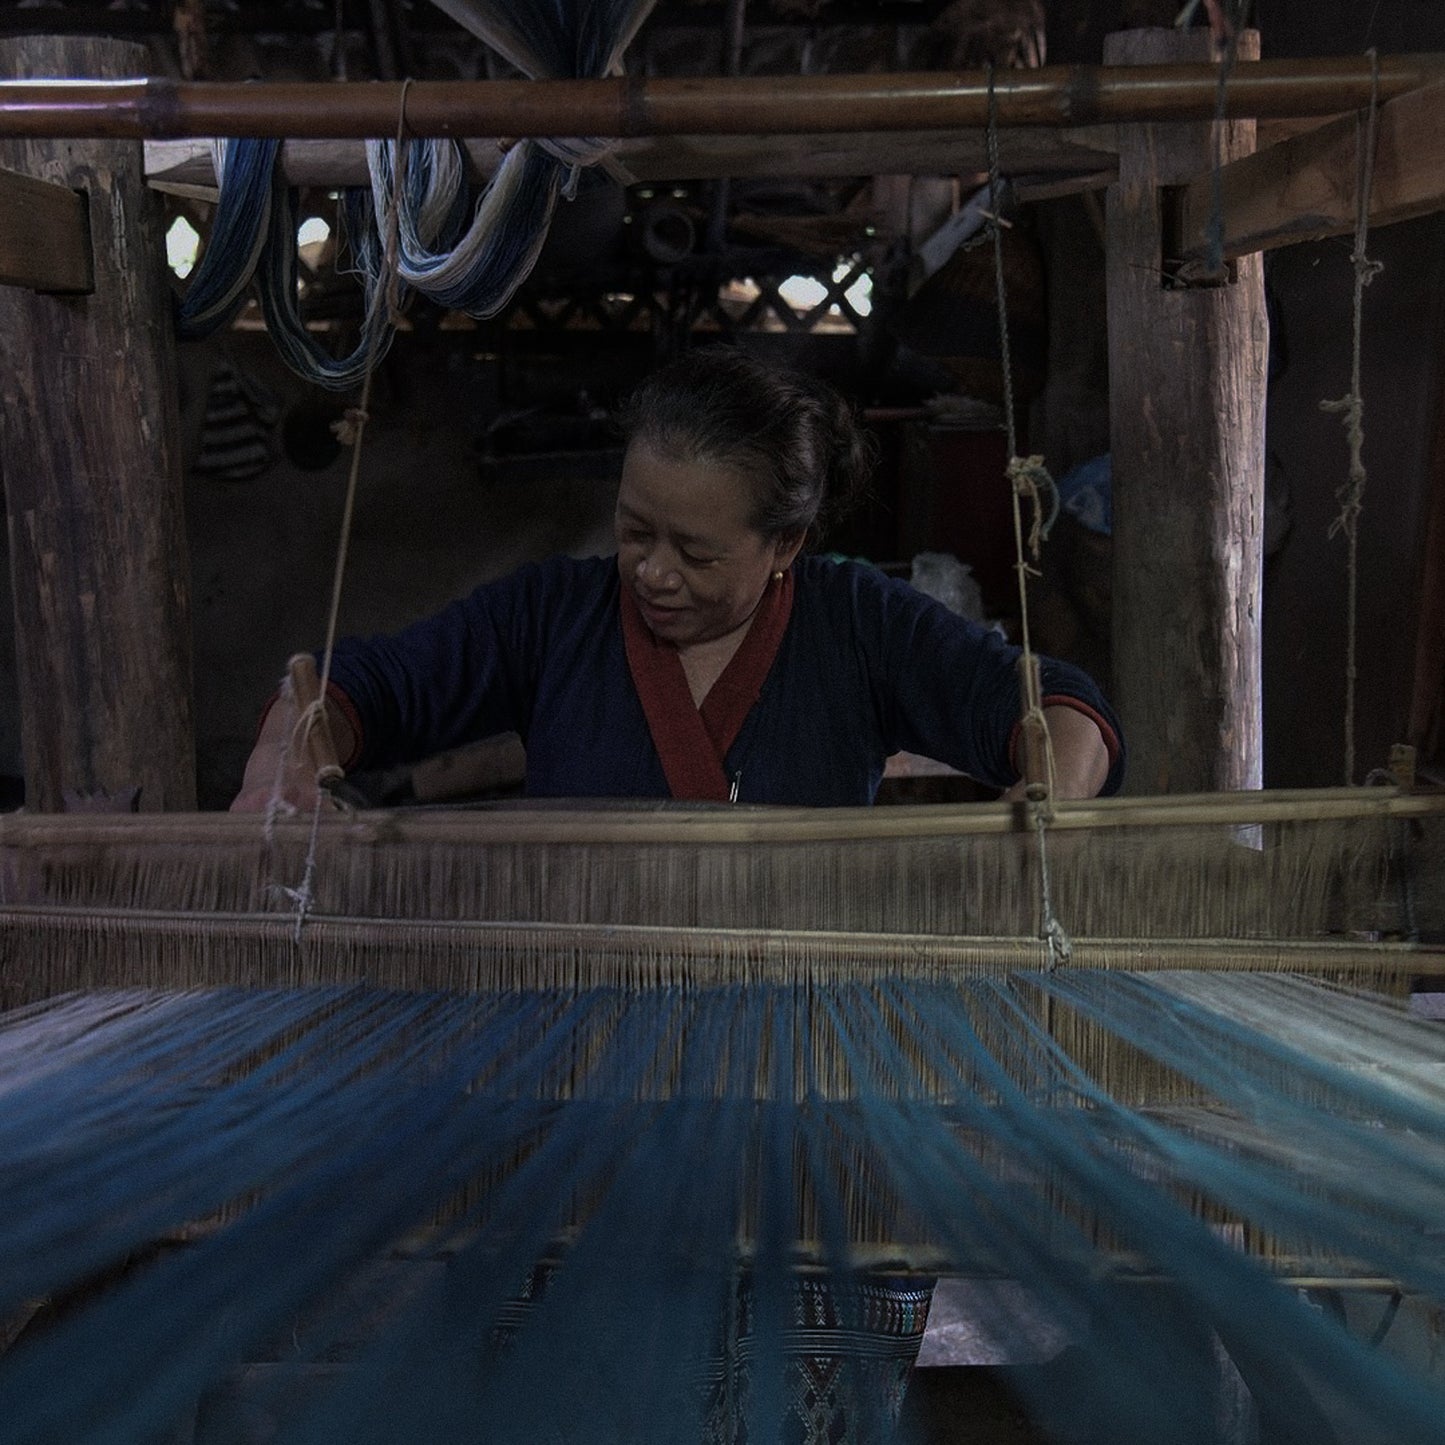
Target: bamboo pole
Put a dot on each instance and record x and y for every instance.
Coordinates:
(159, 108)
(681, 826)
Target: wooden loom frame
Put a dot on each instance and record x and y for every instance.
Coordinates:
(1078, 102)
(1252, 191)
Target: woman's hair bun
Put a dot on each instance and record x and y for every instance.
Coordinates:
(794, 434)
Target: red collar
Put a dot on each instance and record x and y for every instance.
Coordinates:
(693, 743)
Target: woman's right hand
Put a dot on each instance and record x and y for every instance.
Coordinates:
(281, 765)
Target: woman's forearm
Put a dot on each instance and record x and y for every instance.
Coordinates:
(1081, 756)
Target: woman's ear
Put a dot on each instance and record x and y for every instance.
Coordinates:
(786, 549)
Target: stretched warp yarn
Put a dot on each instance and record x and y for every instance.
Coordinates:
(560, 1179)
(308, 1156)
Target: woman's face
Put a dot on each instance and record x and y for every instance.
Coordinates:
(686, 549)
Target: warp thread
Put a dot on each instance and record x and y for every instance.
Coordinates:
(482, 1130)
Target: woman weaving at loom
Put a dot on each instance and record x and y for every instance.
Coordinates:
(714, 661)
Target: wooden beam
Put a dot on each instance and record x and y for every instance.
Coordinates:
(44, 236)
(1303, 188)
(1061, 162)
(186, 168)
(645, 823)
(1186, 403)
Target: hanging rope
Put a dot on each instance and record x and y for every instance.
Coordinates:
(1027, 477)
(387, 296)
(1351, 496)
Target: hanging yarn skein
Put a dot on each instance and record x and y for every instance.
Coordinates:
(475, 268)
(276, 285)
(479, 274)
(253, 238)
(239, 231)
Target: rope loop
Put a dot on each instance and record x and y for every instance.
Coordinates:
(1351, 496)
(1051, 930)
(576, 152)
(308, 720)
(1031, 480)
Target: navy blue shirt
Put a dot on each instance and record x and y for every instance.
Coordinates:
(868, 667)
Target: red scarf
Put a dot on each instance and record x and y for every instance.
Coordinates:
(693, 742)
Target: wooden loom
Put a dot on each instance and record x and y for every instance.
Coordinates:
(663, 962)
(543, 899)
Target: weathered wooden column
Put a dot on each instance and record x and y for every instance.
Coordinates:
(90, 466)
(1186, 397)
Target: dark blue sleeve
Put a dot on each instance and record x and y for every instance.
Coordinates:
(468, 672)
(948, 688)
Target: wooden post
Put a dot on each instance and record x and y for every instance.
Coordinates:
(88, 457)
(1186, 396)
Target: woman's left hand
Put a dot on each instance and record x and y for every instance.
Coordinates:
(1081, 757)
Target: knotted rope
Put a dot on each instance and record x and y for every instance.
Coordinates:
(1351, 407)
(1028, 477)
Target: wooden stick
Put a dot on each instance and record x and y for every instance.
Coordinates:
(1033, 732)
(900, 1257)
(187, 166)
(735, 105)
(724, 954)
(306, 693)
(44, 236)
(703, 825)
